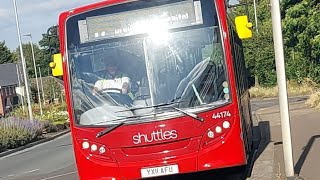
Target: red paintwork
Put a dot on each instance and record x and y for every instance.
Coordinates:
(123, 159)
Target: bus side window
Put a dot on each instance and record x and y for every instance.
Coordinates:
(238, 60)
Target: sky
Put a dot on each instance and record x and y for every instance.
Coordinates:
(35, 17)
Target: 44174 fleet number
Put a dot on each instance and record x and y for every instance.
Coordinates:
(221, 114)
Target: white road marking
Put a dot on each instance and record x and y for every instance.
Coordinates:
(32, 171)
(26, 172)
(60, 175)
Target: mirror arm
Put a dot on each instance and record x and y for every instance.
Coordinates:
(236, 5)
(240, 4)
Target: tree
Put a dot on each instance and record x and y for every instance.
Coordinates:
(54, 40)
(258, 50)
(54, 45)
(27, 52)
(5, 54)
(301, 22)
(301, 32)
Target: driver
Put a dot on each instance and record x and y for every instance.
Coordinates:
(113, 80)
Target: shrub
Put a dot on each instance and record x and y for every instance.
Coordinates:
(51, 112)
(49, 127)
(314, 100)
(18, 112)
(15, 132)
(54, 115)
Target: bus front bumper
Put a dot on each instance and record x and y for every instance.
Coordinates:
(230, 153)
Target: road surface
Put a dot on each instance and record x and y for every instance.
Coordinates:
(51, 160)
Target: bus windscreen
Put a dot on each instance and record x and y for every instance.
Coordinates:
(138, 69)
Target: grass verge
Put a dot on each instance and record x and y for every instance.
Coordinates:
(307, 87)
(314, 100)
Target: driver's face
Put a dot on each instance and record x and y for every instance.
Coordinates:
(112, 69)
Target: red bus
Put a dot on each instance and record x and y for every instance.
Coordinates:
(177, 98)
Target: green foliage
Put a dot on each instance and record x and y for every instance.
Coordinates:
(5, 54)
(42, 53)
(51, 87)
(19, 113)
(12, 138)
(49, 127)
(51, 113)
(301, 33)
(44, 44)
(15, 132)
(54, 114)
(54, 40)
(27, 52)
(258, 50)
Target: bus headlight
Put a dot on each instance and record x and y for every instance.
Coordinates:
(85, 145)
(217, 133)
(94, 147)
(210, 134)
(102, 150)
(218, 129)
(226, 124)
(95, 150)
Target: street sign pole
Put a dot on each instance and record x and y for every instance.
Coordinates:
(35, 72)
(23, 63)
(255, 15)
(283, 95)
(282, 85)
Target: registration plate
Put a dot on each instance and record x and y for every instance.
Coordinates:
(159, 171)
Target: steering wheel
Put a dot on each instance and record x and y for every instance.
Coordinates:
(104, 94)
(108, 90)
(117, 95)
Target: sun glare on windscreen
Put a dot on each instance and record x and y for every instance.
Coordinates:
(157, 29)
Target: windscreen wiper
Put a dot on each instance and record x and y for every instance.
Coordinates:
(126, 119)
(167, 105)
(195, 116)
(107, 130)
(135, 117)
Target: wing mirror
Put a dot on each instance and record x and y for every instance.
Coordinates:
(243, 27)
(56, 65)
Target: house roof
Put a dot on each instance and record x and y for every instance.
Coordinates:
(8, 74)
